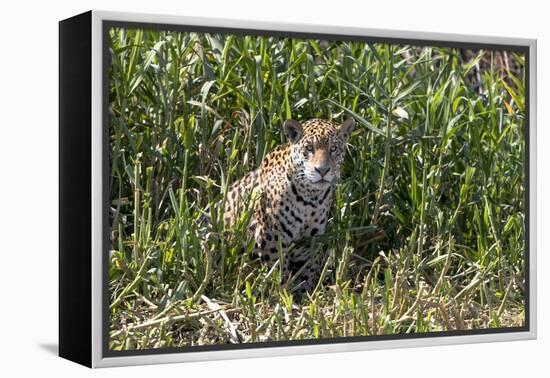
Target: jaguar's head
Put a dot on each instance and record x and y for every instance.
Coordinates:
(318, 148)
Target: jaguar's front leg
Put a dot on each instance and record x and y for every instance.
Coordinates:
(267, 248)
(305, 264)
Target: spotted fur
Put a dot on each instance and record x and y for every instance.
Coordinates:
(292, 193)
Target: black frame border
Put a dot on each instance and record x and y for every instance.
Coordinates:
(75, 189)
(108, 24)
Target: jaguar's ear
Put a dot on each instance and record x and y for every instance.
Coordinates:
(293, 130)
(346, 128)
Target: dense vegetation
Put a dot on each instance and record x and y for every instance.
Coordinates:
(427, 230)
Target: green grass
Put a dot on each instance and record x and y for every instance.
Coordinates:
(427, 229)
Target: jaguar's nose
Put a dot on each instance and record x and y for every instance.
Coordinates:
(322, 170)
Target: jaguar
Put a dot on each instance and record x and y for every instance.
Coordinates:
(292, 192)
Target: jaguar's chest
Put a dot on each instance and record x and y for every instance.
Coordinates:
(299, 209)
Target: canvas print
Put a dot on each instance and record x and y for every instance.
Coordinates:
(277, 189)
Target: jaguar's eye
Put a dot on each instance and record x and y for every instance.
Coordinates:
(333, 149)
(309, 148)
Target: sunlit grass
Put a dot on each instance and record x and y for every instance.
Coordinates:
(427, 228)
